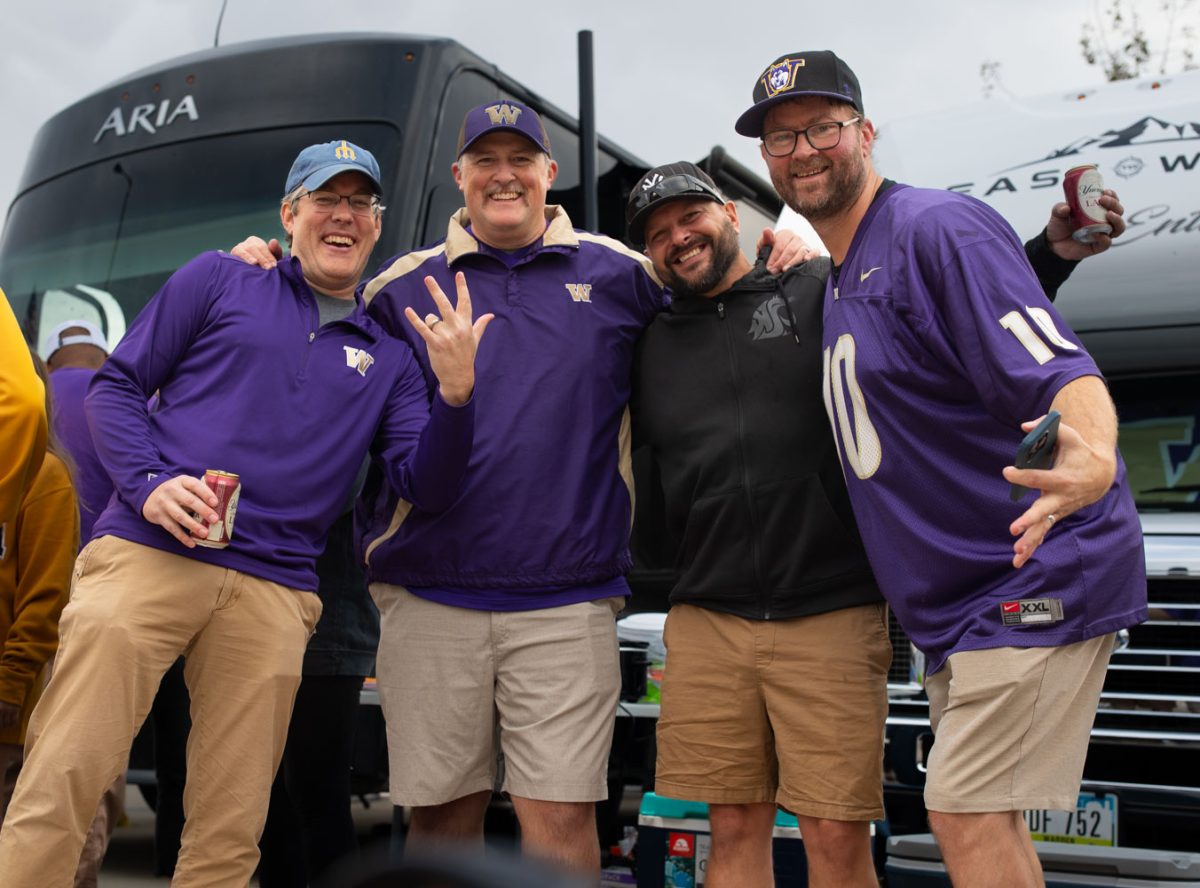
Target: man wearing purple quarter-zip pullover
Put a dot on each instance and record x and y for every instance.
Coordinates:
(280, 377)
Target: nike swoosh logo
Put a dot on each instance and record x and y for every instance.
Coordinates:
(866, 274)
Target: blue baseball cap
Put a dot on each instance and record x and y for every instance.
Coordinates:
(503, 114)
(317, 164)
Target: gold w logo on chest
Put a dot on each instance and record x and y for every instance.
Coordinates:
(358, 359)
(580, 292)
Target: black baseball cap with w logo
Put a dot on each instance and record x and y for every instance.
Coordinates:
(500, 115)
(817, 73)
(671, 181)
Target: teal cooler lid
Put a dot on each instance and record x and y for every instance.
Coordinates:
(660, 806)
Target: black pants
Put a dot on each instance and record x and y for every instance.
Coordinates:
(309, 826)
(172, 723)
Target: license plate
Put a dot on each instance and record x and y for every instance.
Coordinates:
(1093, 822)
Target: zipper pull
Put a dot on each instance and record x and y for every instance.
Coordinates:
(721, 309)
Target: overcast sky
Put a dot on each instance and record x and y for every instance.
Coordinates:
(671, 77)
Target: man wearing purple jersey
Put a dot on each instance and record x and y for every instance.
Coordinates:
(280, 376)
(939, 347)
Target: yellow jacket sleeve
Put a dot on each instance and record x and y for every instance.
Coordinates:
(47, 538)
(22, 422)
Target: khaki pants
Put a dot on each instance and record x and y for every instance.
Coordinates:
(108, 812)
(133, 611)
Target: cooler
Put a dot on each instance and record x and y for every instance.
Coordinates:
(673, 843)
(915, 862)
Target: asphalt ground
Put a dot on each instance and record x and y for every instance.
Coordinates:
(129, 862)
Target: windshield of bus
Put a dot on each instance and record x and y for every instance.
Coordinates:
(1160, 439)
(96, 243)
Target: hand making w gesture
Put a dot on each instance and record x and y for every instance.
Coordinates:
(451, 340)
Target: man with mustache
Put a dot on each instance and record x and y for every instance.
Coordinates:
(496, 617)
(778, 653)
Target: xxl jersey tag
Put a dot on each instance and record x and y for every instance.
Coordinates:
(1031, 611)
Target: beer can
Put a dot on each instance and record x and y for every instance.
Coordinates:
(1083, 187)
(228, 488)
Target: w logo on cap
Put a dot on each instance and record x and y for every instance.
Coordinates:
(781, 76)
(503, 114)
(344, 152)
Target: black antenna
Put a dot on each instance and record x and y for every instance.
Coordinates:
(220, 18)
(587, 134)
(112, 257)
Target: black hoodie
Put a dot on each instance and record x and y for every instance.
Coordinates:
(727, 396)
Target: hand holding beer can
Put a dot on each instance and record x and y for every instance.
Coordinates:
(1083, 187)
(228, 488)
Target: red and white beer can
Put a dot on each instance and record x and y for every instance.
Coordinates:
(228, 488)
(1083, 186)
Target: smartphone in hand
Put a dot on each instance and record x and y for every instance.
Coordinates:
(1036, 450)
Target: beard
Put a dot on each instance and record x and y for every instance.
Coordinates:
(847, 177)
(725, 250)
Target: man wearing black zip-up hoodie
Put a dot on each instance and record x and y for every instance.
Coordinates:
(776, 684)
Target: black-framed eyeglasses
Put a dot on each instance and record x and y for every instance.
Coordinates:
(822, 136)
(327, 202)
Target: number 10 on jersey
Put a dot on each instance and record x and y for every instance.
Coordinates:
(844, 400)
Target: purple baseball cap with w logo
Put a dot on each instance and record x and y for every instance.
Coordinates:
(500, 115)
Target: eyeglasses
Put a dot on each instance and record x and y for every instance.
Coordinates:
(327, 202)
(822, 136)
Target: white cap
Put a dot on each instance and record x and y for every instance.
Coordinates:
(55, 340)
(642, 628)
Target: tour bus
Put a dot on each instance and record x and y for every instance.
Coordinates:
(1137, 309)
(131, 182)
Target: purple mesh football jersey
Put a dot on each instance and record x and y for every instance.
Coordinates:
(939, 342)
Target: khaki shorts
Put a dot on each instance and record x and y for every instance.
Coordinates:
(1012, 726)
(455, 683)
(784, 711)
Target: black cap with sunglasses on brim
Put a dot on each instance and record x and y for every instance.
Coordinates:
(671, 181)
